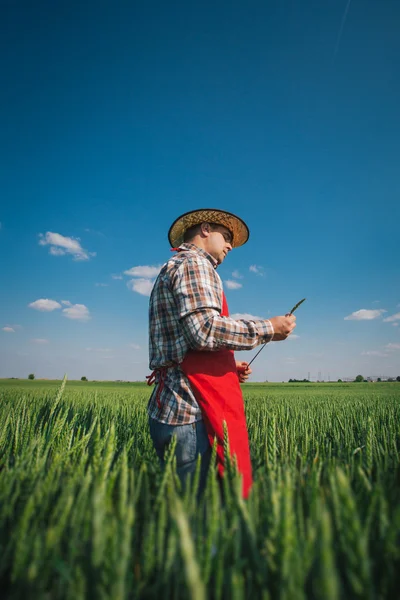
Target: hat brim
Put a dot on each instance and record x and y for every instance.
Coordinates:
(236, 225)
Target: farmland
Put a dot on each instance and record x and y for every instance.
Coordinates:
(86, 512)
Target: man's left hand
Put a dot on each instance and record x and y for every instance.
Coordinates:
(243, 371)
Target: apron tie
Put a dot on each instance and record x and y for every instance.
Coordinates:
(152, 378)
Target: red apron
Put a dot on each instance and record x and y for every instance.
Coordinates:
(214, 381)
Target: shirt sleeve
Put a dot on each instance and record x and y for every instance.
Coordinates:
(197, 290)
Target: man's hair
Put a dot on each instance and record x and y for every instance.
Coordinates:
(195, 230)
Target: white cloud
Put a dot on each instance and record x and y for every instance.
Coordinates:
(101, 284)
(365, 315)
(293, 336)
(245, 317)
(39, 341)
(61, 245)
(395, 317)
(236, 274)
(54, 251)
(374, 353)
(73, 311)
(144, 284)
(395, 324)
(392, 346)
(257, 269)
(44, 305)
(145, 272)
(134, 346)
(11, 328)
(232, 285)
(77, 312)
(141, 286)
(117, 276)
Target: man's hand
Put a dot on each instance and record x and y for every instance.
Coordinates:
(243, 371)
(283, 327)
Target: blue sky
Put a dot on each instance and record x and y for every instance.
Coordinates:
(118, 117)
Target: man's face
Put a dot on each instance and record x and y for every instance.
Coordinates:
(219, 243)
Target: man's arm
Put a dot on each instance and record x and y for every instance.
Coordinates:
(207, 330)
(197, 291)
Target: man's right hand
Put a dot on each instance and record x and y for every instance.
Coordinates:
(283, 327)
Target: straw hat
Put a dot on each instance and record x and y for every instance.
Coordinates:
(236, 226)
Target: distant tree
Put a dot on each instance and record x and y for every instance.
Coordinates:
(359, 378)
(31, 376)
(339, 381)
(83, 378)
(398, 378)
(379, 379)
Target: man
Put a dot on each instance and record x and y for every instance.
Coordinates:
(191, 344)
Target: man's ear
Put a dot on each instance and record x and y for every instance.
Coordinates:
(205, 228)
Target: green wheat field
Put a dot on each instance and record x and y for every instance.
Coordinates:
(86, 512)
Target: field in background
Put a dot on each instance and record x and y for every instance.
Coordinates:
(86, 512)
(47, 384)
(270, 387)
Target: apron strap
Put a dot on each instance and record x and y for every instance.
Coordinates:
(160, 381)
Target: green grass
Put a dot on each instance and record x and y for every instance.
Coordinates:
(85, 511)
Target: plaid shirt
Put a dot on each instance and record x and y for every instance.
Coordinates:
(185, 313)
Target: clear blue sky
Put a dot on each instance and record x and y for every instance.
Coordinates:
(116, 117)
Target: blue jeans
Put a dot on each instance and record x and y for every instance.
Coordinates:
(191, 441)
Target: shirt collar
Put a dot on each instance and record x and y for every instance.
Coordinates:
(194, 248)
